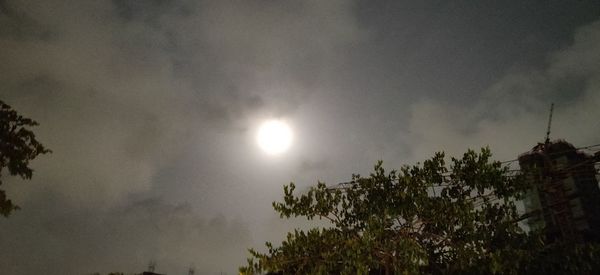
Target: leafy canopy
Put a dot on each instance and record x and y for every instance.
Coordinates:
(18, 146)
(432, 218)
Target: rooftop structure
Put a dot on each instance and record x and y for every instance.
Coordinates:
(566, 195)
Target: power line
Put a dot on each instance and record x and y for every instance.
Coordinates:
(493, 198)
(559, 152)
(502, 162)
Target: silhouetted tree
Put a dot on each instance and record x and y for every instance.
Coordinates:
(432, 218)
(18, 146)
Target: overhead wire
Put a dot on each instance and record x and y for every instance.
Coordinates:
(559, 152)
(506, 161)
(490, 197)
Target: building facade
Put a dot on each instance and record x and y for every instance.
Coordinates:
(565, 198)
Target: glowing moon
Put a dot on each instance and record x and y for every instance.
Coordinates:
(274, 137)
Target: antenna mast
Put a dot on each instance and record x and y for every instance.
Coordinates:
(549, 124)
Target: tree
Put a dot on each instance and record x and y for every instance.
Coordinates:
(18, 146)
(432, 218)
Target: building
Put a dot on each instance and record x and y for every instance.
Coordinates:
(565, 198)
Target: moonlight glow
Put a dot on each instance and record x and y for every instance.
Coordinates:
(274, 137)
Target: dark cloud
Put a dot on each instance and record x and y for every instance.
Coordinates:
(19, 25)
(513, 112)
(310, 166)
(122, 238)
(151, 109)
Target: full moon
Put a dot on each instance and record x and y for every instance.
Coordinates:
(274, 137)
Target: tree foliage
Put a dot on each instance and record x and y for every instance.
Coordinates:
(18, 146)
(432, 218)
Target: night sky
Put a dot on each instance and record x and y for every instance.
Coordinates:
(151, 109)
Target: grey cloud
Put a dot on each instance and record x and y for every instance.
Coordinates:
(150, 110)
(18, 25)
(312, 165)
(151, 229)
(153, 100)
(512, 113)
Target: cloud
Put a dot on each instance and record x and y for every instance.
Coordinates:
(66, 241)
(121, 89)
(512, 114)
(146, 108)
(149, 110)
